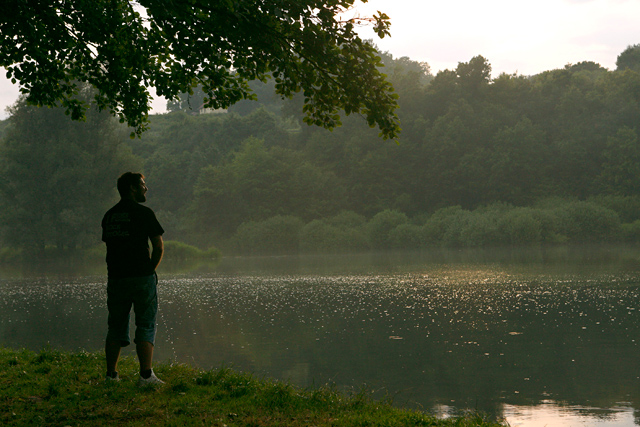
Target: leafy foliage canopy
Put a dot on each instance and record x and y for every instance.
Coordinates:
(124, 47)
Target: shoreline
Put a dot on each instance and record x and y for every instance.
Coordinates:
(52, 387)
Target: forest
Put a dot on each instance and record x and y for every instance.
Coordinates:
(548, 159)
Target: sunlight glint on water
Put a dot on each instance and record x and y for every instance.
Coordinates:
(444, 339)
(551, 414)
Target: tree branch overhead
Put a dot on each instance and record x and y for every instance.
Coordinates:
(124, 47)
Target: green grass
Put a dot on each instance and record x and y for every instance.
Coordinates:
(53, 388)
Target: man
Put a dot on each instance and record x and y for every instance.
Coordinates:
(127, 229)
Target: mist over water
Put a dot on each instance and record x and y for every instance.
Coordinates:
(531, 337)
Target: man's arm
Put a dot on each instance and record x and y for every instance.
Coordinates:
(157, 250)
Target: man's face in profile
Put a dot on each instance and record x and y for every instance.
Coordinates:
(138, 191)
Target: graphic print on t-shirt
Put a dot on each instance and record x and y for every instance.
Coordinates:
(118, 225)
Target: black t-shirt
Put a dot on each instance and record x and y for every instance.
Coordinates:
(126, 229)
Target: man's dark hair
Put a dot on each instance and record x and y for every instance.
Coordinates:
(126, 180)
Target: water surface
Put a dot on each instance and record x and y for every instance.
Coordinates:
(536, 338)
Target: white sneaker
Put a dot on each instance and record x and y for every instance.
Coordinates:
(152, 380)
(108, 379)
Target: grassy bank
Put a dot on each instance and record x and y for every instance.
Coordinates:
(67, 389)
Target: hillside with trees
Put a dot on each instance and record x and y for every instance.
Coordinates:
(481, 161)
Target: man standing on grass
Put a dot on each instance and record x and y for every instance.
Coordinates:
(127, 229)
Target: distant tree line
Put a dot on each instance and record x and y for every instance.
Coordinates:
(544, 159)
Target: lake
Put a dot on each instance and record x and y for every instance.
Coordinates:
(537, 337)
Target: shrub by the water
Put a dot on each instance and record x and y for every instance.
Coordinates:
(407, 236)
(319, 236)
(627, 207)
(175, 250)
(521, 226)
(550, 221)
(631, 232)
(381, 226)
(584, 221)
(10, 255)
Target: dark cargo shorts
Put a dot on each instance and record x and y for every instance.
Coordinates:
(142, 294)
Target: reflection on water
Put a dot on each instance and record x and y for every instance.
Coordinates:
(538, 343)
(557, 415)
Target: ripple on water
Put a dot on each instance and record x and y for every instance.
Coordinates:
(444, 330)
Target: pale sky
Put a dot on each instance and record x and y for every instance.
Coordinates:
(515, 36)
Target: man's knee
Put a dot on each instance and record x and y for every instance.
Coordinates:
(146, 334)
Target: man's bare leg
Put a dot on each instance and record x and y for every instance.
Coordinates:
(145, 355)
(112, 352)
